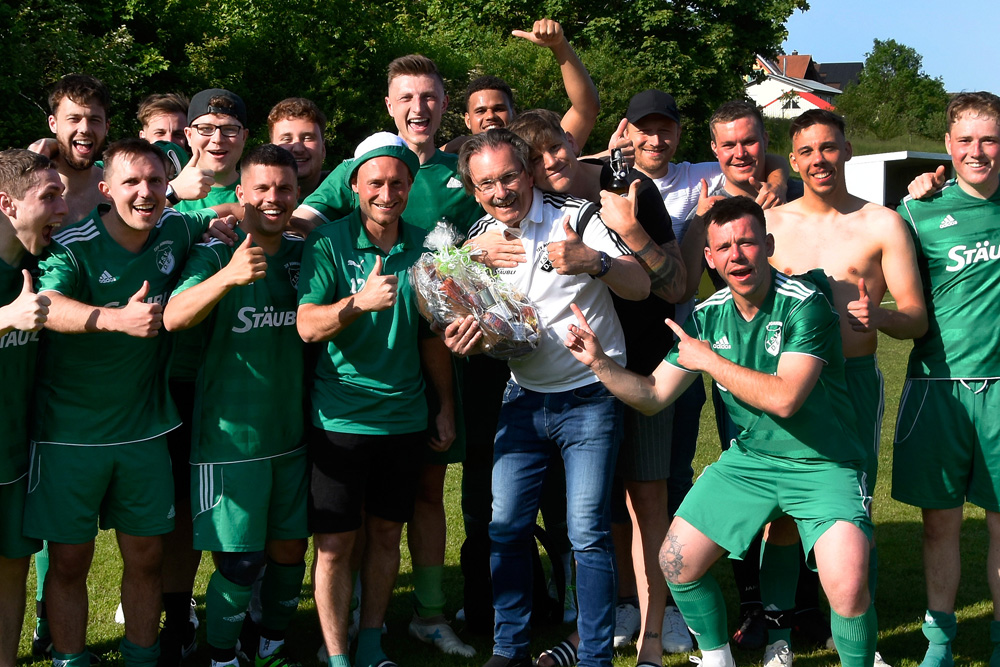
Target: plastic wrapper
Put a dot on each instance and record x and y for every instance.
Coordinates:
(450, 284)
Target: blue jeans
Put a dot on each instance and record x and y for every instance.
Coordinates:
(584, 426)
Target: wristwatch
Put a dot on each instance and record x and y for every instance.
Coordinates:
(606, 262)
(171, 195)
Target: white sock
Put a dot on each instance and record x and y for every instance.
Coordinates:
(719, 657)
(268, 646)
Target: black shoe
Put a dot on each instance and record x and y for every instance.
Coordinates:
(812, 628)
(752, 633)
(177, 644)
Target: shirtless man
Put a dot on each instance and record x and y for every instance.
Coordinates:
(79, 106)
(865, 250)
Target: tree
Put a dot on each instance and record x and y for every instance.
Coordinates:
(893, 96)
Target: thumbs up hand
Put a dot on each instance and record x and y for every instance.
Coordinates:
(860, 312)
(572, 257)
(248, 264)
(193, 182)
(138, 318)
(27, 312)
(379, 291)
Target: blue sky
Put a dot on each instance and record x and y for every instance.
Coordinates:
(959, 41)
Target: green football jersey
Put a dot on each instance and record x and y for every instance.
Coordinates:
(253, 359)
(437, 194)
(957, 238)
(107, 388)
(219, 194)
(368, 378)
(188, 343)
(795, 318)
(17, 368)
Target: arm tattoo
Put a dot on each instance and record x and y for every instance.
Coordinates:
(671, 558)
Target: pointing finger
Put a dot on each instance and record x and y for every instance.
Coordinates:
(676, 328)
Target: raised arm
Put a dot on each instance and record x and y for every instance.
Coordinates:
(584, 101)
(663, 263)
(781, 394)
(902, 279)
(190, 307)
(319, 323)
(136, 318)
(647, 394)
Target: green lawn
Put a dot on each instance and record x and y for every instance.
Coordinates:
(900, 600)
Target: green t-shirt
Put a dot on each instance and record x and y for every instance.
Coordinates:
(219, 194)
(17, 368)
(368, 378)
(957, 239)
(107, 388)
(437, 194)
(253, 359)
(795, 318)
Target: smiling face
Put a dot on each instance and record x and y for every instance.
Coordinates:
(488, 109)
(220, 153)
(80, 131)
(818, 155)
(303, 138)
(554, 163)
(507, 185)
(416, 102)
(41, 210)
(973, 141)
(740, 146)
(655, 138)
(268, 194)
(738, 250)
(137, 187)
(383, 187)
(168, 126)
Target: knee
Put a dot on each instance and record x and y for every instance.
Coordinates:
(849, 598)
(241, 568)
(672, 562)
(287, 552)
(383, 535)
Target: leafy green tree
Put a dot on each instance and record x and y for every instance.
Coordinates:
(894, 96)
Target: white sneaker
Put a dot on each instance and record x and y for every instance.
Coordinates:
(674, 636)
(879, 662)
(437, 632)
(778, 654)
(627, 622)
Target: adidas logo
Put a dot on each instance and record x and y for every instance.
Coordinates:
(106, 278)
(948, 222)
(722, 344)
(453, 183)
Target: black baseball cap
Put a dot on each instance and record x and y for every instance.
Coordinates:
(649, 102)
(233, 107)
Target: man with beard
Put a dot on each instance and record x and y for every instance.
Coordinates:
(79, 106)
(106, 461)
(31, 207)
(250, 488)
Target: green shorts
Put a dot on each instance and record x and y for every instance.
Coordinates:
(240, 506)
(73, 490)
(13, 543)
(947, 447)
(866, 387)
(739, 494)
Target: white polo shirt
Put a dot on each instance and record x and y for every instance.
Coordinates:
(552, 368)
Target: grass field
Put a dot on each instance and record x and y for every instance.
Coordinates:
(900, 600)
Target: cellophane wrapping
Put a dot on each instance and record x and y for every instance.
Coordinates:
(450, 284)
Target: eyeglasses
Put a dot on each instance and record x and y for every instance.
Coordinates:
(487, 187)
(207, 129)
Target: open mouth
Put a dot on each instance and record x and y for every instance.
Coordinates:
(272, 212)
(419, 124)
(144, 209)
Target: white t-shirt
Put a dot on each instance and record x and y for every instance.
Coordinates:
(681, 189)
(552, 368)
